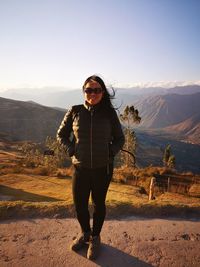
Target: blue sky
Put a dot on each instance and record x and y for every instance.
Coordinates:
(62, 42)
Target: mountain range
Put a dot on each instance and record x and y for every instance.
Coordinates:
(64, 98)
(28, 121)
(173, 116)
(178, 115)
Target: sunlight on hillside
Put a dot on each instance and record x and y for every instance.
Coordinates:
(39, 191)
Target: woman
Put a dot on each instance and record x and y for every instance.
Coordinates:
(97, 138)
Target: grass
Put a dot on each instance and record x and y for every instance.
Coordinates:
(35, 188)
(33, 196)
(26, 193)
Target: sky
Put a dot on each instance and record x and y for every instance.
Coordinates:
(126, 42)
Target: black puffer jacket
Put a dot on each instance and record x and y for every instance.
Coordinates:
(92, 136)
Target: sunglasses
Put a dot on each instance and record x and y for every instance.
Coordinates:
(93, 90)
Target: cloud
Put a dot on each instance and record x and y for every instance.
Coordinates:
(162, 84)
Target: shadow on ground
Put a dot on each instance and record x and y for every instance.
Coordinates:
(112, 257)
(19, 194)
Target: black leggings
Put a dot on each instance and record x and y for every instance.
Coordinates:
(96, 182)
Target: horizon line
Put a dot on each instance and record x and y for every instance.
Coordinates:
(169, 84)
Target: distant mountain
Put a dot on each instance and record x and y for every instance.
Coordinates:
(64, 98)
(27, 120)
(184, 90)
(175, 114)
(189, 129)
(46, 96)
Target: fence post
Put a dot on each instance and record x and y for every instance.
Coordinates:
(151, 188)
(168, 184)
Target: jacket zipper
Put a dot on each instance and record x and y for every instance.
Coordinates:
(108, 162)
(91, 154)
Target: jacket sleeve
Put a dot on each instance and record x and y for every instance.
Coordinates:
(118, 138)
(65, 132)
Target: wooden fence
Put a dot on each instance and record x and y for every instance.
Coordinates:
(172, 183)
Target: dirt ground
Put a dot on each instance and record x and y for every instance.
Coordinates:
(127, 242)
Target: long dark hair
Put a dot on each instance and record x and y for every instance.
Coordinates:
(107, 97)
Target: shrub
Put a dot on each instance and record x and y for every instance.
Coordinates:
(17, 169)
(44, 171)
(194, 190)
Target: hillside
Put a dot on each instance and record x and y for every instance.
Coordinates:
(21, 121)
(188, 129)
(165, 110)
(28, 120)
(175, 114)
(26, 190)
(65, 97)
(52, 97)
(151, 145)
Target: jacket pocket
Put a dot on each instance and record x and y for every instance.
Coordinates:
(71, 151)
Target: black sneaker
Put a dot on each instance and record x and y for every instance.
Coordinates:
(94, 247)
(80, 241)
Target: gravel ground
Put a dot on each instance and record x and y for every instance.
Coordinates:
(127, 242)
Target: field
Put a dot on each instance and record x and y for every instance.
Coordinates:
(30, 192)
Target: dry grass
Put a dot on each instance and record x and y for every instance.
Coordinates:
(128, 173)
(25, 192)
(183, 183)
(35, 188)
(195, 190)
(31, 195)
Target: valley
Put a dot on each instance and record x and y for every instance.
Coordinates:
(169, 116)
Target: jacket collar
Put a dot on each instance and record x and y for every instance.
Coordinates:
(92, 108)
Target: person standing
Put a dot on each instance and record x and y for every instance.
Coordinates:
(91, 135)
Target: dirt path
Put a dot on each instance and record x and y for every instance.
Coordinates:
(131, 242)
